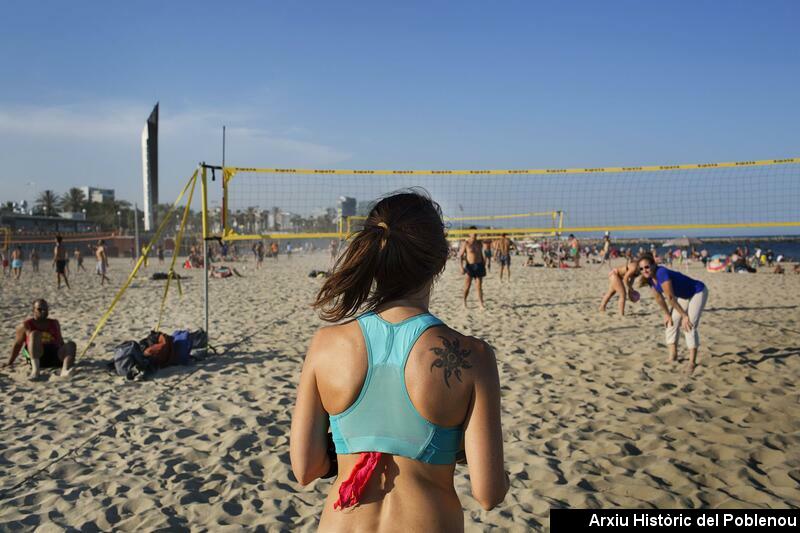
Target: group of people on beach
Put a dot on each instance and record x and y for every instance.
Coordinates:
(390, 399)
(681, 299)
(475, 259)
(60, 261)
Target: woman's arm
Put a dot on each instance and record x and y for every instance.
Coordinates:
(308, 439)
(663, 305)
(462, 255)
(483, 433)
(627, 279)
(685, 320)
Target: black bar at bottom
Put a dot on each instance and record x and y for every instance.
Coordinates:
(658, 520)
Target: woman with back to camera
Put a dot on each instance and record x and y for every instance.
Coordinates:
(403, 394)
(686, 296)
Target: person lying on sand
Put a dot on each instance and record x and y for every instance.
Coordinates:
(41, 337)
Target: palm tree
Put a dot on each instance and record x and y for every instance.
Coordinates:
(73, 201)
(46, 202)
(7, 207)
(297, 222)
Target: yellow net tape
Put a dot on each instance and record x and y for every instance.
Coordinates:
(137, 266)
(229, 172)
(286, 204)
(171, 272)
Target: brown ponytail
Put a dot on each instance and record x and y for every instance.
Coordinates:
(400, 249)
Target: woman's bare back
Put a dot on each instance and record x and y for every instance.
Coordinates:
(439, 377)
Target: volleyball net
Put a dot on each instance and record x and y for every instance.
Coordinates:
(725, 199)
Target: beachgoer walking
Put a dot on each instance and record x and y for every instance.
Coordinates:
(259, 254)
(16, 262)
(574, 250)
(470, 257)
(399, 389)
(686, 296)
(60, 262)
(102, 262)
(606, 251)
(34, 260)
(41, 337)
(334, 251)
(503, 247)
(487, 254)
(79, 260)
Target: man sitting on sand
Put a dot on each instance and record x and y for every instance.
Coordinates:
(41, 337)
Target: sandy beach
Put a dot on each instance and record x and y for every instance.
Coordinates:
(592, 415)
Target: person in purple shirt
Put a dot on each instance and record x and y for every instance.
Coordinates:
(687, 298)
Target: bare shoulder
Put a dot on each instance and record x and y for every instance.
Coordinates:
(332, 340)
(451, 346)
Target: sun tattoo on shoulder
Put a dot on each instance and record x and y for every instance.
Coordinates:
(452, 358)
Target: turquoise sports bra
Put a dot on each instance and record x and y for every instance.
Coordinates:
(383, 419)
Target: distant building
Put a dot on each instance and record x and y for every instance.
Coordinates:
(273, 220)
(285, 221)
(72, 216)
(364, 207)
(97, 195)
(21, 208)
(39, 224)
(346, 206)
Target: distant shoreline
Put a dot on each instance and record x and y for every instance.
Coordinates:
(773, 238)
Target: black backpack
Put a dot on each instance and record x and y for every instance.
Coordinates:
(130, 362)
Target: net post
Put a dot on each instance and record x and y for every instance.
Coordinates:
(204, 208)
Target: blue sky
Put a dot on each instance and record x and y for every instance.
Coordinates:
(390, 85)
